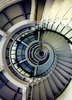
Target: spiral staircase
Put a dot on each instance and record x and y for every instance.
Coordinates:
(35, 49)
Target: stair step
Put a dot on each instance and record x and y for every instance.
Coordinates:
(57, 81)
(48, 90)
(62, 72)
(42, 92)
(60, 77)
(64, 8)
(69, 65)
(65, 68)
(47, 9)
(35, 93)
(55, 8)
(66, 59)
(53, 86)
